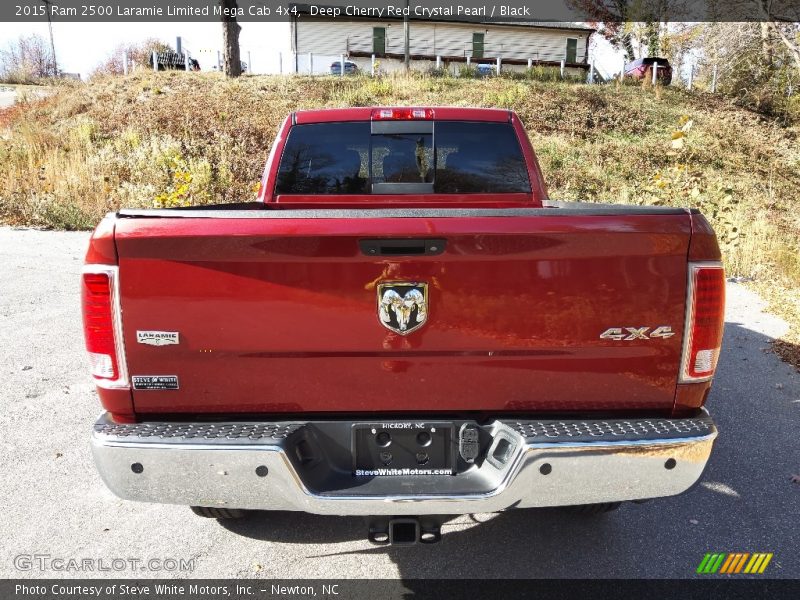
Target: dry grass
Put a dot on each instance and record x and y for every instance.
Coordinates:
(172, 139)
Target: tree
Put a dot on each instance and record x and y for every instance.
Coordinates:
(27, 60)
(610, 18)
(777, 26)
(232, 61)
(780, 22)
(789, 35)
(753, 64)
(679, 42)
(139, 53)
(632, 24)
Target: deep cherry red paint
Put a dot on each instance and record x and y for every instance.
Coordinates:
(281, 314)
(443, 113)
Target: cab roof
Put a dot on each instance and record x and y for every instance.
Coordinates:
(440, 113)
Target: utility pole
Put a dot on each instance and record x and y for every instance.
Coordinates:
(407, 54)
(47, 4)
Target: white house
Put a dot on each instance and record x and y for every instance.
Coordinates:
(317, 41)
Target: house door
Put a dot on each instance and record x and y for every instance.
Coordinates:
(572, 50)
(379, 41)
(477, 45)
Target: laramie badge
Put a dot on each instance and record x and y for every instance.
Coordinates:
(158, 338)
(402, 305)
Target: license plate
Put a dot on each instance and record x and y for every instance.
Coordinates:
(403, 448)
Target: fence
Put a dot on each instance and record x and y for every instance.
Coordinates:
(342, 64)
(285, 63)
(163, 61)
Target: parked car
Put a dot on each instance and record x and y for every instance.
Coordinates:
(174, 61)
(642, 68)
(350, 68)
(404, 326)
(482, 70)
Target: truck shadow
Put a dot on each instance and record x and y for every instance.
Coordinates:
(511, 544)
(667, 537)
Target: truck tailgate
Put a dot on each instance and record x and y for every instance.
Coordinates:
(277, 311)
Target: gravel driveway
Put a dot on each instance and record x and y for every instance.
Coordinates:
(58, 506)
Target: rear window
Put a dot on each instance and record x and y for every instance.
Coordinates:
(451, 157)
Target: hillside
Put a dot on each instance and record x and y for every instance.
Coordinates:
(173, 139)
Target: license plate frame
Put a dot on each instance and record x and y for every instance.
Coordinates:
(406, 440)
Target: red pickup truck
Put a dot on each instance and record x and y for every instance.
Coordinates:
(403, 327)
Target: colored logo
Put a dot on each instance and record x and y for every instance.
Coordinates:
(731, 563)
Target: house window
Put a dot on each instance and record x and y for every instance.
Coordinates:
(379, 40)
(477, 45)
(572, 50)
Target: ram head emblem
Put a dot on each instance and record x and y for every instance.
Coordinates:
(402, 306)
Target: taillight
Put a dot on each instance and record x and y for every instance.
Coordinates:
(402, 114)
(101, 326)
(705, 320)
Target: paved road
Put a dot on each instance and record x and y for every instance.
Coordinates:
(7, 98)
(57, 505)
(8, 93)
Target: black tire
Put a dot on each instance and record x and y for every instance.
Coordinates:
(593, 509)
(210, 512)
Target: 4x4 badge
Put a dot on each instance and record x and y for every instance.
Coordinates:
(636, 333)
(402, 305)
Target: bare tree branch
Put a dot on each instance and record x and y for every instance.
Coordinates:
(27, 60)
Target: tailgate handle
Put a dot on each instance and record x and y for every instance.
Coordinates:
(395, 247)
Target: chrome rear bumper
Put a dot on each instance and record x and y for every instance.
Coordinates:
(278, 466)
